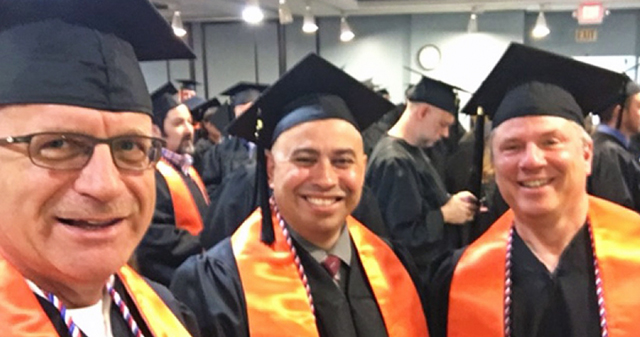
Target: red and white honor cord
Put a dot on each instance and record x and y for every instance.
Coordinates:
(124, 310)
(75, 331)
(296, 258)
(507, 289)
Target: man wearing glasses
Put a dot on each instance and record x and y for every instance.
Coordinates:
(76, 168)
(181, 197)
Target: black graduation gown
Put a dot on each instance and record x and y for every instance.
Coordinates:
(164, 247)
(615, 172)
(377, 130)
(410, 193)
(119, 326)
(209, 284)
(220, 160)
(236, 199)
(559, 304)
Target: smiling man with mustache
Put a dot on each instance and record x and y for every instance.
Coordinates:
(301, 265)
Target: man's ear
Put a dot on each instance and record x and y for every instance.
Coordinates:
(270, 166)
(587, 148)
(155, 131)
(423, 110)
(616, 113)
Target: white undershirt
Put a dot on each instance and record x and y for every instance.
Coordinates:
(94, 320)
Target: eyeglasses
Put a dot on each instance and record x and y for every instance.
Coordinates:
(72, 151)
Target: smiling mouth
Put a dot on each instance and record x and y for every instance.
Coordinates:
(535, 183)
(322, 201)
(89, 224)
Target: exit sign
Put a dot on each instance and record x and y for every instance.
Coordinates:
(590, 13)
(586, 35)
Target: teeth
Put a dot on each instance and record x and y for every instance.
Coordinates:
(321, 201)
(89, 223)
(535, 183)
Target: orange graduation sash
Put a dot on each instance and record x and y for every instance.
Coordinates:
(22, 316)
(277, 302)
(476, 298)
(184, 206)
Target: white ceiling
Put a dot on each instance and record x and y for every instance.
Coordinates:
(230, 10)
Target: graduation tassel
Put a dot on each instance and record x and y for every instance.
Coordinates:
(262, 184)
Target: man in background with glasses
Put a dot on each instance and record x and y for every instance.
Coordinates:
(181, 197)
(76, 168)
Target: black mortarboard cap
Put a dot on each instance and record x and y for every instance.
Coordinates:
(382, 92)
(437, 93)
(188, 84)
(194, 101)
(314, 89)
(528, 81)
(313, 82)
(201, 107)
(163, 100)
(82, 53)
(244, 92)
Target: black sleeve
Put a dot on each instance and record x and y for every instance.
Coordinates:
(164, 247)
(615, 176)
(179, 309)
(233, 202)
(438, 286)
(409, 218)
(210, 285)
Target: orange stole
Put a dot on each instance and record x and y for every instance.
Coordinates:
(476, 299)
(277, 302)
(22, 316)
(184, 206)
(158, 317)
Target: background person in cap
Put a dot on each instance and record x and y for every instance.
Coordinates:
(560, 262)
(616, 170)
(268, 279)
(413, 199)
(76, 168)
(187, 89)
(181, 197)
(212, 129)
(242, 95)
(234, 152)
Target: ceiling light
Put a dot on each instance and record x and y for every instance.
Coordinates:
(252, 13)
(541, 29)
(176, 24)
(346, 34)
(284, 13)
(472, 26)
(309, 22)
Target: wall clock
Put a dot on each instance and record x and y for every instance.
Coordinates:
(429, 57)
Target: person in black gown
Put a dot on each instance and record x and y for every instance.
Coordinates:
(616, 170)
(181, 197)
(220, 161)
(539, 269)
(76, 163)
(306, 267)
(416, 207)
